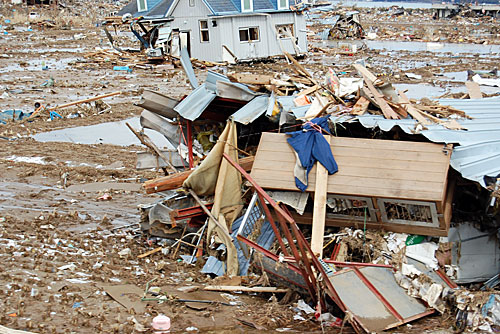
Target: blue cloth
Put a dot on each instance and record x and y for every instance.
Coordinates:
(311, 146)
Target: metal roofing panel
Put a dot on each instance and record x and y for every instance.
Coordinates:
(188, 68)
(195, 103)
(212, 78)
(252, 110)
(477, 153)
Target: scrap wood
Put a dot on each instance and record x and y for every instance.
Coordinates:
(397, 108)
(365, 72)
(245, 288)
(415, 113)
(174, 181)
(474, 90)
(361, 106)
(309, 90)
(156, 250)
(74, 103)
(252, 79)
(145, 140)
(388, 112)
(319, 209)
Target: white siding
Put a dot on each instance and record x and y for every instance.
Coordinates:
(226, 32)
(268, 44)
(187, 18)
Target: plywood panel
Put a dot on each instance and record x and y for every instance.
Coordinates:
(367, 167)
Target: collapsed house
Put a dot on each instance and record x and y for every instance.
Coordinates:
(348, 25)
(382, 217)
(219, 31)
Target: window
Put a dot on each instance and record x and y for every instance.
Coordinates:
(247, 5)
(283, 4)
(191, 3)
(204, 37)
(285, 31)
(249, 34)
(142, 5)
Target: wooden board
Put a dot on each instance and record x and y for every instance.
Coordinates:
(474, 90)
(367, 167)
(319, 210)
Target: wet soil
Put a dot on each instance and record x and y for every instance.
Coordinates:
(50, 218)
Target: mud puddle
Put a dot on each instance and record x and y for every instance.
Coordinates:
(114, 133)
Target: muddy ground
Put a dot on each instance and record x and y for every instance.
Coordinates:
(60, 244)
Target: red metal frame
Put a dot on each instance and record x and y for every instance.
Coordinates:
(186, 213)
(306, 262)
(190, 144)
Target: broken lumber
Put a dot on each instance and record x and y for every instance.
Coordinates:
(174, 181)
(319, 209)
(361, 106)
(415, 113)
(156, 250)
(245, 288)
(474, 90)
(252, 79)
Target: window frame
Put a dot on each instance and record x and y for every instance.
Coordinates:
(282, 36)
(287, 6)
(192, 3)
(145, 6)
(248, 31)
(247, 10)
(202, 30)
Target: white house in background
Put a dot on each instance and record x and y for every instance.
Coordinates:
(224, 30)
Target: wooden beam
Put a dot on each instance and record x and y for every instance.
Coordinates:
(319, 210)
(361, 106)
(415, 113)
(272, 289)
(474, 90)
(156, 250)
(379, 99)
(174, 181)
(365, 72)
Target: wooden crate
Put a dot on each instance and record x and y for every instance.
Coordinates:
(387, 176)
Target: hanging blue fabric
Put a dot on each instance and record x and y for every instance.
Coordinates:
(310, 146)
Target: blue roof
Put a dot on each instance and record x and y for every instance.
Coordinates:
(160, 8)
(477, 150)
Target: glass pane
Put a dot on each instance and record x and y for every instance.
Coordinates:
(243, 35)
(204, 24)
(283, 4)
(246, 4)
(204, 36)
(254, 34)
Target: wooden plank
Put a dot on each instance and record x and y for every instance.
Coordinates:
(271, 289)
(174, 181)
(474, 90)
(319, 210)
(361, 172)
(397, 228)
(365, 72)
(252, 79)
(280, 139)
(156, 250)
(361, 106)
(309, 90)
(388, 112)
(414, 112)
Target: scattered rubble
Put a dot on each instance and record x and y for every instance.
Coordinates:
(147, 192)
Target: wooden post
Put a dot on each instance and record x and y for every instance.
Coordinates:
(319, 210)
(190, 144)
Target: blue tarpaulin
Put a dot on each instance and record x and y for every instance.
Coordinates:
(310, 146)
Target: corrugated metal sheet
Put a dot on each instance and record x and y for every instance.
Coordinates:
(477, 153)
(188, 68)
(252, 110)
(195, 103)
